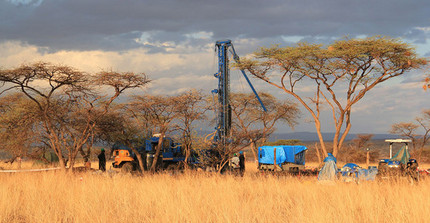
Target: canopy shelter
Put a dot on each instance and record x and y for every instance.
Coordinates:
(402, 155)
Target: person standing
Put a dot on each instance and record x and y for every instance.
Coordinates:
(241, 163)
(102, 160)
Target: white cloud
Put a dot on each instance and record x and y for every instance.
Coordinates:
(26, 2)
(172, 72)
(14, 53)
(200, 35)
(176, 72)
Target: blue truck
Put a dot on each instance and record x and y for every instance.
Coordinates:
(172, 156)
(285, 158)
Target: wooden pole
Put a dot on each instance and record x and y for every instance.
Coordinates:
(274, 161)
(367, 158)
(391, 150)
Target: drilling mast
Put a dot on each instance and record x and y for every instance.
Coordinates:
(224, 114)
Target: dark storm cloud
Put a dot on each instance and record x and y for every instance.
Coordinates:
(115, 25)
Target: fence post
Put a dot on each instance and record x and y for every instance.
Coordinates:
(274, 161)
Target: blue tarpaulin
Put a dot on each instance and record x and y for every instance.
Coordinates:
(329, 170)
(351, 166)
(353, 171)
(284, 154)
(402, 156)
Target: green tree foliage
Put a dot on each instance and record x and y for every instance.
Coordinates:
(67, 102)
(19, 125)
(281, 142)
(191, 107)
(339, 75)
(158, 113)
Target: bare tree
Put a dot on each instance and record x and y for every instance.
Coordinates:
(216, 155)
(190, 108)
(362, 140)
(341, 75)
(66, 100)
(255, 123)
(357, 149)
(410, 130)
(160, 113)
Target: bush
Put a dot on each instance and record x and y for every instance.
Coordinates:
(281, 142)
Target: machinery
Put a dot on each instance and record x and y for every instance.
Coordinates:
(290, 159)
(171, 157)
(222, 136)
(224, 114)
(172, 154)
(400, 165)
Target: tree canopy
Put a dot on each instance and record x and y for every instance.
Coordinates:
(66, 101)
(339, 75)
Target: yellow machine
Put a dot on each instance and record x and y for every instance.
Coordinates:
(123, 159)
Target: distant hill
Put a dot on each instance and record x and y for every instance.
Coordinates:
(312, 136)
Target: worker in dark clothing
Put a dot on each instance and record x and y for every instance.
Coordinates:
(241, 163)
(102, 160)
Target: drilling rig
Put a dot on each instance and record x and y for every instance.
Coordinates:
(223, 127)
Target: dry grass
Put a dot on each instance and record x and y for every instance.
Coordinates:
(199, 197)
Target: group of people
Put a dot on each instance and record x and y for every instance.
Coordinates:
(238, 162)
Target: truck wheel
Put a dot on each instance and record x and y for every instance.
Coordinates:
(127, 168)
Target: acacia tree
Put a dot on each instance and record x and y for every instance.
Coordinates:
(18, 125)
(362, 140)
(255, 123)
(120, 125)
(97, 110)
(190, 108)
(159, 112)
(410, 130)
(66, 100)
(356, 151)
(341, 75)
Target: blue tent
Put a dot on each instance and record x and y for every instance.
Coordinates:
(284, 154)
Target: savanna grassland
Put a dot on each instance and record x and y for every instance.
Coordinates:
(204, 197)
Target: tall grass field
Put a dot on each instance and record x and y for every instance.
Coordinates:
(205, 197)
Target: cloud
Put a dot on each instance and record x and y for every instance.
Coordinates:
(173, 73)
(115, 25)
(173, 41)
(25, 2)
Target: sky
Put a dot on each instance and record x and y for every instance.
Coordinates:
(172, 41)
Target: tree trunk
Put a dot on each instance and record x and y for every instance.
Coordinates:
(187, 154)
(139, 158)
(60, 158)
(254, 150)
(157, 152)
(320, 137)
(61, 161)
(318, 153)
